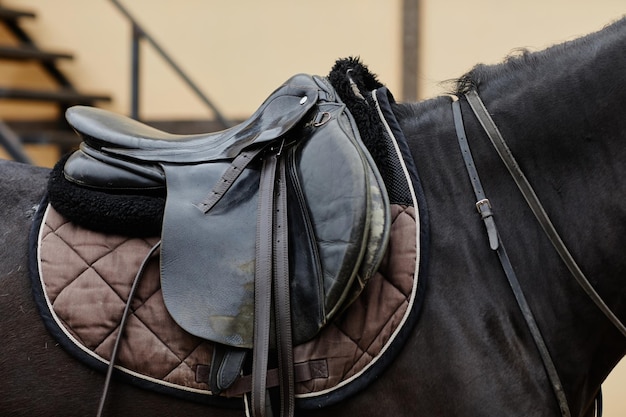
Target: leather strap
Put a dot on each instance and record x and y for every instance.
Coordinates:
(229, 177)
(282, 300)
(263, 285)
(225, 369)
(551, 371)
(271, 288)
(482, 203)
(535, 205)
(118, 338)
(303, 371)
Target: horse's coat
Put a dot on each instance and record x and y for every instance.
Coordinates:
(562, 113)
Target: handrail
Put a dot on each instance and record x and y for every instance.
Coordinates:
(12, 144)
(139, 33)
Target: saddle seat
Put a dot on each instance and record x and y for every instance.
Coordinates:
(112, 141)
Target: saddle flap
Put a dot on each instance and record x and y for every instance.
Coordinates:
(338, 214)
(208, 260)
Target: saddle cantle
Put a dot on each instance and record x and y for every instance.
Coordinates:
(286, 209)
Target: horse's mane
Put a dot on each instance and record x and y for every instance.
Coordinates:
(522, 63)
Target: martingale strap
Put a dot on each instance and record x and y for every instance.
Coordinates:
(553, 375)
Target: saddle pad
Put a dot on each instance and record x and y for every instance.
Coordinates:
(81, 280)
(84, 278)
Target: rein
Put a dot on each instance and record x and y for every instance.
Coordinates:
(118, 338)
(484, 209)
(535, 205)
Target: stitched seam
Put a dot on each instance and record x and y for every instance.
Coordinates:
(162, 341)
(366, 349)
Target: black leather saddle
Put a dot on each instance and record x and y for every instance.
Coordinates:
(276, 223)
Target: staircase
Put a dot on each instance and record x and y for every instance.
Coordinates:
(13, 135)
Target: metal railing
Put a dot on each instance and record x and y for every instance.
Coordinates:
(138, 34)
(12, 144)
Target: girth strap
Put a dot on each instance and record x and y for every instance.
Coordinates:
(551, 371)
(303, 371)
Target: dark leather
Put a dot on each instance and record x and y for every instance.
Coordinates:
(117, 139)
(94, 169)
(330, 216)
(119, 135)
(328, 233)
(226, 364)
(302, 234)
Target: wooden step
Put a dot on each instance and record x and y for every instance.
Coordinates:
(57, 96)
(14, 14)
(24, 53)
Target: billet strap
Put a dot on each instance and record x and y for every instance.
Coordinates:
(225, 368)
(535, 205)
(549, 366)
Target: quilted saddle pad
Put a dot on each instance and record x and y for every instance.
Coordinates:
(84, 279)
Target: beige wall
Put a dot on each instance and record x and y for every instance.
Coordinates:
(239, 51)
(459, 34)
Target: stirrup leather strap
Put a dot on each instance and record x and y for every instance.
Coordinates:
(272, 273)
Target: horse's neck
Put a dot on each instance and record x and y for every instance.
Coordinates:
(571, 146)
(564, 122)
(563, 114)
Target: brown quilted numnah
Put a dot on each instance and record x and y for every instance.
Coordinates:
(87, 277)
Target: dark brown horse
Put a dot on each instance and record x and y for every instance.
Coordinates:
(563, 114)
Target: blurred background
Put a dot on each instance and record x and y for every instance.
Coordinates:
(125, 56)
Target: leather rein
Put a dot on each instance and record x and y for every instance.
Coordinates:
(485, 210)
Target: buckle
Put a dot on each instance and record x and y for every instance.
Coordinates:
(481, 203)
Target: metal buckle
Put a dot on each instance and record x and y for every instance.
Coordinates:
(481, 203)
(321, 118)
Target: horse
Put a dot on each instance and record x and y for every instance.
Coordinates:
(561, 111)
